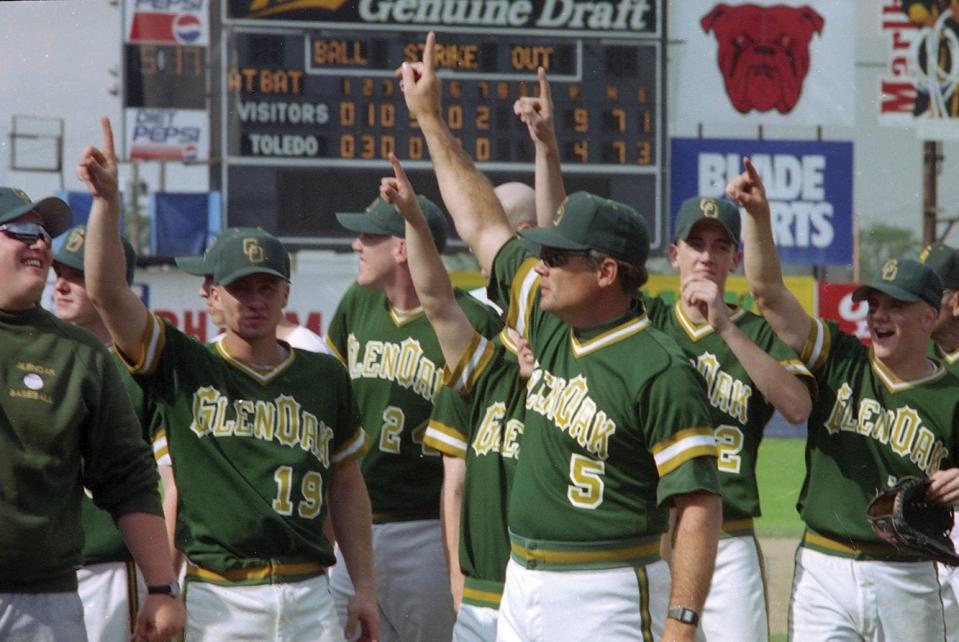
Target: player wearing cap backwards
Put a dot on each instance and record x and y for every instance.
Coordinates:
(748, 372)
(66, 423)
(258, 434)
(605, 448)
(381, 333)
(882, 412)
(108, 582)
(944, 346)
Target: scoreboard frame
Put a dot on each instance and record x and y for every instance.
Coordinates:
(239, 170)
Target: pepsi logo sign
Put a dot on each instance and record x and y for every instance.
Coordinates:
(187, 28)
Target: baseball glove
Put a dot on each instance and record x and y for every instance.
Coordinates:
(902, 516)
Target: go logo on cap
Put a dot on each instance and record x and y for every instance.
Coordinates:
(253, 250)
(890, 270)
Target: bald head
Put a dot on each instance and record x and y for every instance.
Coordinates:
(519, 201)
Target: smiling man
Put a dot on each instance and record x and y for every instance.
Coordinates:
(66, 424)
(883, 412)
(260, 435)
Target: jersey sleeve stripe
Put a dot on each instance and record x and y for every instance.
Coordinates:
(161, 449)
(445, 439)
(525, 284)
(353, 448)
(333, 350)
(458, 377)
(816, 348)
(687, 444)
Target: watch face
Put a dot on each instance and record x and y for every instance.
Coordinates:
(172, 589)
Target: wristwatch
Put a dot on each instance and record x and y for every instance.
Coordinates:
(684, 615)
(172, 589)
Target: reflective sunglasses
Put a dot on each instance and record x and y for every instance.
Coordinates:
(554, 257)
(27, 233)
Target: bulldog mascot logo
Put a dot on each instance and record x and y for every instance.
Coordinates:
(763, 53)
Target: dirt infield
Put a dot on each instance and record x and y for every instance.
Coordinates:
(779, 554)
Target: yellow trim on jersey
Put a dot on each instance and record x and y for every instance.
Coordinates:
(472, 363)
(522, 294)
(532, 554)
(272, 571)
(446, 439)
(608, 338)
(483, 593)
(353, 449)
(161, 448)
(894, 384)
(333, 349)
(262, 374)
(151, 344)
(403, 317)
(949, 357)
(737, 526)
(686, 444)
(816, 349)
(696, 331)
(507, 342)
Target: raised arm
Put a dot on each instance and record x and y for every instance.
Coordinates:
(778, 305)
(432, 282)
(537, 113)
(785, 391)
(103, 264)
(467, 193)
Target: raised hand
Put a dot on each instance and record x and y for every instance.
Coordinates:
(398, 191)
(98, 167)
(708, 298)
(420, 84)
(537, 112)
(747, 189)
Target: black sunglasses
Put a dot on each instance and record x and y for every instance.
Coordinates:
(554, 257)
(27, 233)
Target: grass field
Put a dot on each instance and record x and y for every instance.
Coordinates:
(780, 475)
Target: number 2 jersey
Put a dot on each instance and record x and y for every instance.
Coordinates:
(616, 424)
(867, 429)
(479, 417)
(396, 366)
(252, 451)
(740, 411)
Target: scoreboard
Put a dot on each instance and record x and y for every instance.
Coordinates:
(312, 107)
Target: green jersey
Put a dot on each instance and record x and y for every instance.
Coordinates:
(739, 411)
(949, 359)
(479, 417)
(65, 423)
(867, 429)
(252, 449)
(605, 444)
(102, 541)
(396, 366)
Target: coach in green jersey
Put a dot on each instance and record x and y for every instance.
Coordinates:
(883, 412)
(67, 424)
(605, 449)
(261, 437)
(381, 333)
(944, 261)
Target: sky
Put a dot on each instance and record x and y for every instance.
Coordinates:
(57, 63)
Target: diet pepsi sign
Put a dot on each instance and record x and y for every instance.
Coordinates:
(808, 184)
(170, 22)
(167, 134)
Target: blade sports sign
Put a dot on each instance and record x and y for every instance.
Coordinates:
(764, 62)
(165, 80)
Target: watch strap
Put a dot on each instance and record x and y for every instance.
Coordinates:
(684, 615)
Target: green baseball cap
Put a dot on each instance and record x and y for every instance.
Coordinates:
(71, 252)
(203, 265)
(54, 212)
(585, 221)
(905, 280)
(381, 218)
(254, 252)
(944, 261)
(698, 208)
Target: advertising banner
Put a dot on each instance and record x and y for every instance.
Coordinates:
(171, 22)
(836, 304)
(167, 134)
(763, 62)
(919, 86)
(808, 183)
